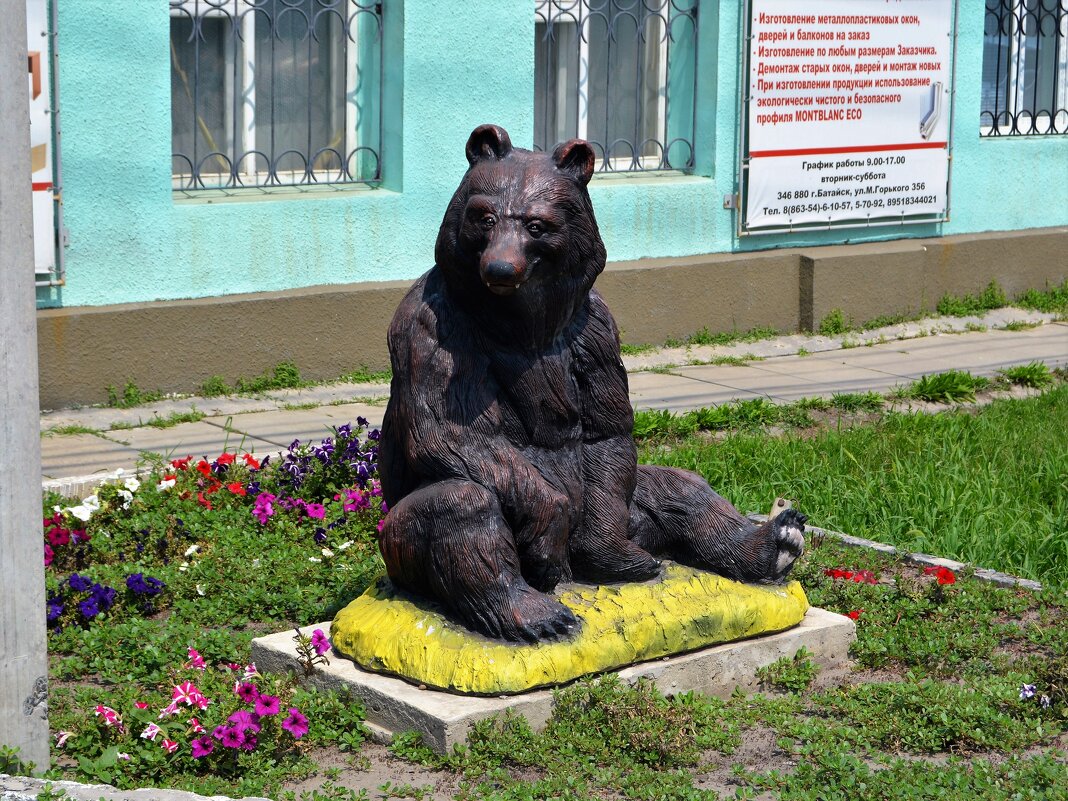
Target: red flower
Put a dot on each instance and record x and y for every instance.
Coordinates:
(58, 537)
(251, 461)
(203, 501)
(204, 467)
(181, 464)
(854, 614)
(865, 577)
(225, 459)
(237, 488)
(213, 486)
(943, 575)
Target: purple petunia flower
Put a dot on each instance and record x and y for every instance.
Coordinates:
(104, 596)
(88, 608)
(320, 536)
(247, 693)
(267, 705)
(244, 721)
(79, 583)
(1027, 691)
(55, 608)
(296, 724)
(202, 746)
(232, 738)
(320, 642)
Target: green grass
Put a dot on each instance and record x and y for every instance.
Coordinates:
(70, 430)
(988, 487)
(1036, 375)
(131, 395)
(992, 297)
(1053, 299)
(707, 337)
(834, 323)
(952, 386)
(176, 418)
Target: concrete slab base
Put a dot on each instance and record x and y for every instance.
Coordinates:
(444, 719)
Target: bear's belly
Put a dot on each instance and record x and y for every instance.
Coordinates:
(562, 469)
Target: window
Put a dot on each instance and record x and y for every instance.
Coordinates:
(1025, 68)
(270, 93)
(621, 74)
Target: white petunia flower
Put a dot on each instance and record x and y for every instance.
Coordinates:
(83, 513)
(166, 484)
(132, 484)
(127, 498)
(92, 502)
(192, 549)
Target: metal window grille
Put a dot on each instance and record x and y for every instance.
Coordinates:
(621, 74)
(274, 93)
(1025, 68)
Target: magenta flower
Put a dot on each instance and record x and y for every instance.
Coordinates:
(170, 746)
(151, 732)
(247, 693)
(232, 738)
(267, 705)
(250, 742)
(243, 721)
(316, 510)
(263, 508)
(202, 746)
(320, 642)
(296, 724)
(196, 661)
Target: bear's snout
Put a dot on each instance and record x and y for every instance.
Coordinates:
(502, 277)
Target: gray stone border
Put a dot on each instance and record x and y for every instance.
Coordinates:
(25, 788)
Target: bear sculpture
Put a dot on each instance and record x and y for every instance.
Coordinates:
(507, 457)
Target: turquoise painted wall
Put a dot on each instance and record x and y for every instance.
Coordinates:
(132, 240)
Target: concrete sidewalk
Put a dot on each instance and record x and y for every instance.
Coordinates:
(99, 440)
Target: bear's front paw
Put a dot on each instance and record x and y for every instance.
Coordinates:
(789, 538)
(535, 616)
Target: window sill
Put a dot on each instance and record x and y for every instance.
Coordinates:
(252, 194)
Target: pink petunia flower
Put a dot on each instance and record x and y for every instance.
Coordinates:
(151, 732)
(170, 746)
(62, 737)
(196, 661)
(110, 716)
(141, 704)
(316, 510)
(320, 642)
(232, 738)
(296, 724)
(170, 709)
(195, 726)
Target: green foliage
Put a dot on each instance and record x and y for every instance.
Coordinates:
(857, 401)
(11, 762)
(739, 414)
(834, 323)
(131, 396)
(992, 297)
(707, 337)
(285, 375)
(364, 375)
(952, 386)
(790, 673)
(1053, 299)
(176, 418)
(1035, 374)
(214, 386)
(635, 350)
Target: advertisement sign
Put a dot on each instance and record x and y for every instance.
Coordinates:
(41, 156)
(847, 113)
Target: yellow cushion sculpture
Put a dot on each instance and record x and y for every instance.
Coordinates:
(387, 632)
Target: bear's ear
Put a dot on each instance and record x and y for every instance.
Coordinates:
(488, 142)
(576, 158)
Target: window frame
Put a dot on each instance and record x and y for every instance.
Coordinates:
(577, 14)
(243, 156)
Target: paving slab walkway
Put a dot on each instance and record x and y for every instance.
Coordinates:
(812, 366)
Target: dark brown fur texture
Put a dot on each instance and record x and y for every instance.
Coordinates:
(506, 455)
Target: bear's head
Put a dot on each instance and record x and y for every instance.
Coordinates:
(519, 245)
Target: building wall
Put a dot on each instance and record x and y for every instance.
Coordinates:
(133, 241)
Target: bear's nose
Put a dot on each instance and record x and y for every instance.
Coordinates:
(500, 272)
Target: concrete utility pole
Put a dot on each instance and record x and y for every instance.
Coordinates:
(23, 637)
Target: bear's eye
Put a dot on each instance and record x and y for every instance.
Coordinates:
(487, 221)
(536, 228)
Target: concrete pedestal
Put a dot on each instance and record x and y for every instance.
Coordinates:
(444, 719)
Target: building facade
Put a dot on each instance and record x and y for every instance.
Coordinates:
(245, 182)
